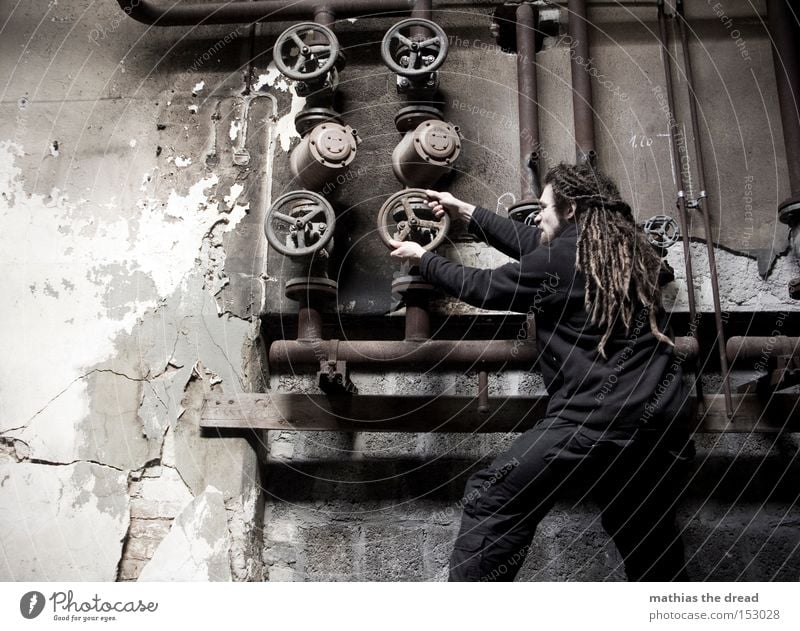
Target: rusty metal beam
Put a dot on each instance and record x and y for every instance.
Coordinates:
(381, 413)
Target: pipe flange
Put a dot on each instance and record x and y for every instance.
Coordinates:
(789, 211)
(302, 60)
(403, 284)
(333, 144)
(410, 117)
(407, 216)
(525, 212)
(307, 119)
(437, 142)
(299, 223)
(414, 56)
(662, 231)
(301, 286)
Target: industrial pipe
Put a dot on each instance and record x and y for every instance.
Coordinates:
(743, 348)
(702, 206)
(445, 353)
(577, 26)
(676, 158)
(528, 99)
(784, 33)
(259, 11)
(785, 51)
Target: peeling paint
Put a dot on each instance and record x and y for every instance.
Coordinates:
(234, 130)
(115, 270)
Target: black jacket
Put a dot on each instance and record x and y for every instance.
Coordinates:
(640, 383)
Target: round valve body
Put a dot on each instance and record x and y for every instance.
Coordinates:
(323, 154)
(426, 154)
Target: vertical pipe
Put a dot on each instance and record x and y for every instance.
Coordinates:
(784, 33)
(528, 98)
(702, 205)
(325, 16)
(423, 9)
(309, 321)
(581, 82)
(681, 199)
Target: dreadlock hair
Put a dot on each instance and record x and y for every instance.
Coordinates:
(619, 264)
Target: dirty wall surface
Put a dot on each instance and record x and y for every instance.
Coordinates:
(137, 275)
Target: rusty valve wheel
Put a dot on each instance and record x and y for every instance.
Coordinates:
(299, 223)
(299, 59)
(414, 56)
(407, 216)
(662, 231)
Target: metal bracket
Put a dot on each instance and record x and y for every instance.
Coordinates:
(333, 376)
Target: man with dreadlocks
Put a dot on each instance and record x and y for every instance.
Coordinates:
(616, 419)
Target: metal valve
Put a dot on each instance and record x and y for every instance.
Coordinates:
(411, 55)
(306, 51)
(426, 154)
(407, 216)
(662, 231)
(325, 153)
(299, 223)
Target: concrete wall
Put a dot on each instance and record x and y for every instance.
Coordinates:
(137, 276)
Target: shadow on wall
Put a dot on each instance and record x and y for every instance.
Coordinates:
(396, 519)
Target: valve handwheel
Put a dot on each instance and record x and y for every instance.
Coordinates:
(407, 216)
(662, 231)
(303, 60)
(299, 223)
(414, 56)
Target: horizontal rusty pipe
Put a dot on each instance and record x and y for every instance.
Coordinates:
(582, 108)
(740, 348)
(528, 99)
(446, 353)
(148, 12)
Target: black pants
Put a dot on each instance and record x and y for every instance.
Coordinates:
(636, 482)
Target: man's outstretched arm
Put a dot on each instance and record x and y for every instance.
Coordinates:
(512, 238)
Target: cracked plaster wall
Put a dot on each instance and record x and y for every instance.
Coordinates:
(119, 200)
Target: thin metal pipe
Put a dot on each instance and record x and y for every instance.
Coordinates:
(702, 206)
(259, 11)
(577, 25)
(681, 198)
(528, 100)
